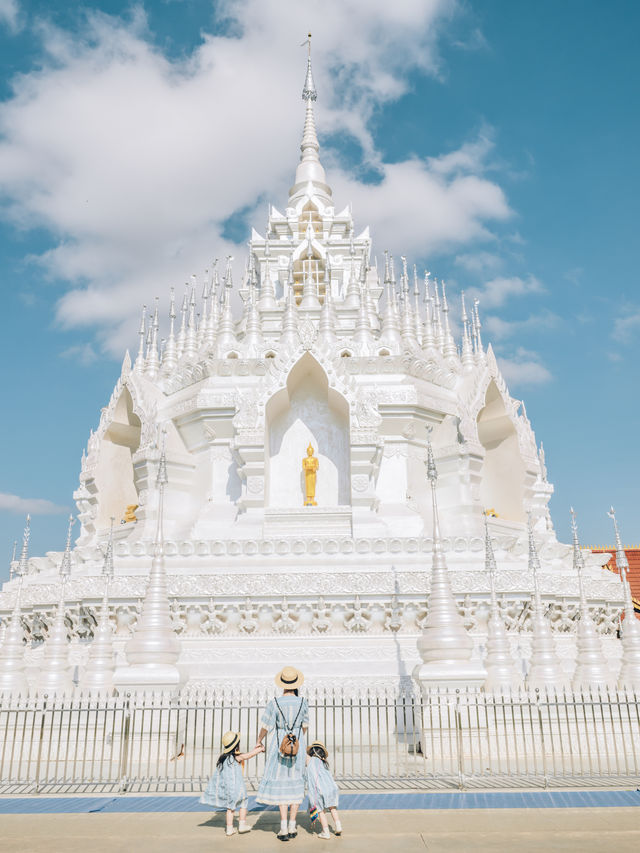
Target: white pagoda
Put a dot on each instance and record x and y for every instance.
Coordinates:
(320, 347)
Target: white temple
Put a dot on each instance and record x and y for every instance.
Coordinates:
(320, 344)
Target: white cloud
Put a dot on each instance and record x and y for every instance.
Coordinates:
(496, 292)
(524, 368)
(10, 15)
(83, 354)
(479, 262)
(34, 506)
(627, 325)
(133, 162)
(498, 328)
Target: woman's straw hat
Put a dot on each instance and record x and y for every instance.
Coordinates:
(289, 678)
(230, 740)
(320, 745)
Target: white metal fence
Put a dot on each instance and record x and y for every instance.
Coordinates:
(376, 739)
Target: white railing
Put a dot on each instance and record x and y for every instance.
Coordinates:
(376, 739)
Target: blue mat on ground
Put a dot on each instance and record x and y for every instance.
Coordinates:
(348, 802)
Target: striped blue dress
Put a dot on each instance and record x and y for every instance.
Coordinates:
(283, 779)
(323, 791)
(226, 788)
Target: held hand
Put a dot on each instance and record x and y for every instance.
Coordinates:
(261, 747)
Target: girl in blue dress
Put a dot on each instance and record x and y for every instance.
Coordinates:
(226, 788)
(282, 784)
(323, 791)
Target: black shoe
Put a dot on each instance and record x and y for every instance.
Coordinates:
(282, 837)
(293, 834)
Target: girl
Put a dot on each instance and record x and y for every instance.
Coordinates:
(283, 781)
(323, 791)
(226, 788)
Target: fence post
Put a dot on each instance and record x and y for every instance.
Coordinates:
(41, 738)
(458, 718)
(544, 749)
(124, 750)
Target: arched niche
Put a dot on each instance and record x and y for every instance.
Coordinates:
(114, 475)
(503, 471)
(307, 411)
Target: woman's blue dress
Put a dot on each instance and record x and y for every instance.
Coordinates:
(323, 791)
(226, 788)
(283, 779)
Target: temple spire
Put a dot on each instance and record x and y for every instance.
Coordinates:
(591, 666)
(310, 170)
(629, 675)
(545, 670)
(444, 645)
(499, 663)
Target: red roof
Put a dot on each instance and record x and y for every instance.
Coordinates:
(633, 556)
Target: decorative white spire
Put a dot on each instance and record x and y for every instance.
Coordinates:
(362, 336)
(448, 344)
(182, 334)
(416, 306)
(289, 338)
(408, 329)
(65, 565)
(444, 645)
(310, 170)
(191, 338)
(629, 676)
(138, 367)
(12, 664)
(467, 358)
(154, 649)
(152, 363)
(23, 568)
(591, 666)
(98, 673)
(428, 331)
(170, 356)
(544, 668)
(437, 318)
(479, 349)
(327, 324)
(309, 301)
(253, 343)
(226, 328)
(499, 663)
(267, 301)
(55, 675)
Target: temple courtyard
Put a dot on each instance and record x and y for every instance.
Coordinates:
(592, 820)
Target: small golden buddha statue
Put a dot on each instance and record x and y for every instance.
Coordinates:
(130, 513)
(309, 466)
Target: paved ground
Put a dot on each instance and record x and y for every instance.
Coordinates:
(402, 831)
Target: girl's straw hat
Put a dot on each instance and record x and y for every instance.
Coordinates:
(289, 678)
(319, 745)
(230, 740)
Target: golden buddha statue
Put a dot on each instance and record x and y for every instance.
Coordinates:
(309, 466)
(130, 513)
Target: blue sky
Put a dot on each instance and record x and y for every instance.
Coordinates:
(495, 143)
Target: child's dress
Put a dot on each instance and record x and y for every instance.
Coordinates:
(226, 788)
(323, 791)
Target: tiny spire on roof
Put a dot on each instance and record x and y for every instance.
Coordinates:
(309, 90)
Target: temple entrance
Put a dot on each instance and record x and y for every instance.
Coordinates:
(502, 484)
(307, 412)
(114, 475)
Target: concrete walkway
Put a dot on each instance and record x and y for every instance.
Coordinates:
(402, 831)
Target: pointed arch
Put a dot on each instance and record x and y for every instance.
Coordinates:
(114, 477)
(503, 474)
(307, 410)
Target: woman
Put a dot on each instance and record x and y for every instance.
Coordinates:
(283, 781)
